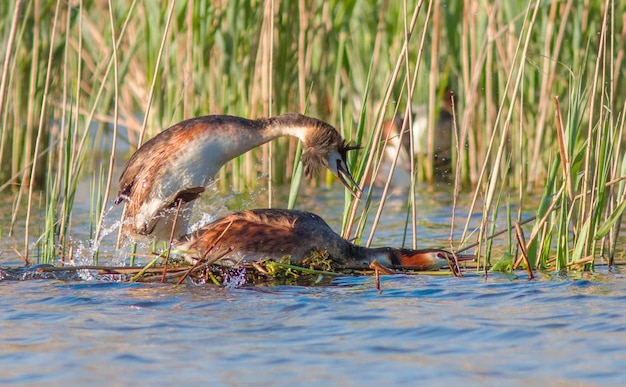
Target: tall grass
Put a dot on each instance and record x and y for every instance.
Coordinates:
(539, 101)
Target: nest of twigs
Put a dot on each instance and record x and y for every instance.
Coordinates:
(316, 269)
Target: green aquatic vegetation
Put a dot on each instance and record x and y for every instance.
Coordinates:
(539, 106)
(504, 264)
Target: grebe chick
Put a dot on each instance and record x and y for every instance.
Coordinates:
(273, 233)
(178, 163)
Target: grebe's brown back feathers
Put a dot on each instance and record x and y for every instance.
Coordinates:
(267, 233)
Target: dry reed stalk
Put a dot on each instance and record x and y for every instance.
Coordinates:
(199, 262)
(169, 243)
(377, 279)
(457, 174)
(111, 269)
(543, 221)
(471, 60)
(376, 52)
(379, 123)
(378, 268)
(507, 123)
(560, 131)
(620, 53)
(490, 77)
(260, 268)
(206, 253)
(262, 92)
(27, 137)
(618, 193)
(433, 101)
(578, 264)
(29, 176)
(470, 95)
(140, 273)
(115, 127)
(497, 234)
(406, 120)
(64, 139)
(453, 265)
(189, 89)
(383, 269)
(495, 173)
(519, 234)
(155, 77)
(586, 204)
(30, 116)
(8, 55)
(77, 159)
(548, 81)
(302, 36)
(270, 98)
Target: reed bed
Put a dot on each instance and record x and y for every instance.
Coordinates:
(539, 105)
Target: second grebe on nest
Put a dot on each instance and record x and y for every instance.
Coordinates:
(253, 235)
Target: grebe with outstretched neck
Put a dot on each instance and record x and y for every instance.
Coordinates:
(180, 162)
(252, 235)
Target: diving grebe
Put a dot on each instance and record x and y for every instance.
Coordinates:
(178, 163)
(273, 233)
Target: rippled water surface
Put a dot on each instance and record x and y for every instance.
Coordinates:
(422, 330)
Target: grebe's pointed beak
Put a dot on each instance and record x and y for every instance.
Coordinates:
(343, 173)
(346, 179)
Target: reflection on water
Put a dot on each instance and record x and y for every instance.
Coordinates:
(424, 330)
(435, 330)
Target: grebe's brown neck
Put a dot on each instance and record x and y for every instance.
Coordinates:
(323, 145)
(293, 124)
(422, 259)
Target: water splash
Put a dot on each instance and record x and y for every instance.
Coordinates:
(34, 272)
(205, 219)
(84, 252)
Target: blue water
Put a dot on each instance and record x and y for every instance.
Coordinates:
(422, 330)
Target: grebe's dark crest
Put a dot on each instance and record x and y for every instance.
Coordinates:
(178, 163)
(273, 233)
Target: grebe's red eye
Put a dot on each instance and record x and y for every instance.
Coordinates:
(440, 255)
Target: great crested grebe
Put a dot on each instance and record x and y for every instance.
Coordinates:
(177, 164)
(252, 235)
(442, 140)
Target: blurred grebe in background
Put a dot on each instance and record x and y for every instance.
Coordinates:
(418, 132)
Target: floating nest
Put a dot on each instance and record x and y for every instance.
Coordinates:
(316, 269)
